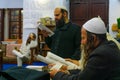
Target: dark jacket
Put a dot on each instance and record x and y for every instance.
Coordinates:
(103, 64)
(66, 41)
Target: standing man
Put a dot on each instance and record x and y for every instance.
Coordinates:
(66, 40)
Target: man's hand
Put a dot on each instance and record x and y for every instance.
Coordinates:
(73, 61)
(62, 69)
(53, 72)
(45, 33)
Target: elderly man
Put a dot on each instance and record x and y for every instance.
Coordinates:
(101, 58)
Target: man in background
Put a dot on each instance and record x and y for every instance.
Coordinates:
(66, 40)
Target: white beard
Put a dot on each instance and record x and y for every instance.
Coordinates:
(82, 60)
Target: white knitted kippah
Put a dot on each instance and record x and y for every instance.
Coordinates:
(95, 25)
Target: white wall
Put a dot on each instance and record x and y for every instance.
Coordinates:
(33, 10)
(11, 3)
(114, 13)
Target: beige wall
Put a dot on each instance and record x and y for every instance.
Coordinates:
(33, 10)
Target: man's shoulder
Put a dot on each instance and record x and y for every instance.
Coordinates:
(74, 25)
(107, 47)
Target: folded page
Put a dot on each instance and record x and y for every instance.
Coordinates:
(42, 27)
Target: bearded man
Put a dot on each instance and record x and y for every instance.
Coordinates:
(100, 58)
(66, 40)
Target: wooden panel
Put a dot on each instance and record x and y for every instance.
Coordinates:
(78, 1)
(99, 1)
(100, 8)
(83, 10)
(79, 22)
(1, 24)
(98, 11)
(79, 11)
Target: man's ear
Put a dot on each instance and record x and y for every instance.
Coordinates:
(64, 14)
(94, 37)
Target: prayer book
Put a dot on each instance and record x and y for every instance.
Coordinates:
(43, 27)
(57, 60)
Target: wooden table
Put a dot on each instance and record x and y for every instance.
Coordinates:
(1, 59)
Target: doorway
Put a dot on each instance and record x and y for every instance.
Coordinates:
(83, 10)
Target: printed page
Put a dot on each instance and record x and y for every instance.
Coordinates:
(62, 61)
(56, 66)
(44, 59)
(34, 67)
(48, 60)
(42, 27)
(54, 59)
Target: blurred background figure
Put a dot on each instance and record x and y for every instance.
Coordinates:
(23, 53)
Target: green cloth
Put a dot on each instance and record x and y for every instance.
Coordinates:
(118, 22)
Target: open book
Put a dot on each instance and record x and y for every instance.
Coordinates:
(54, 59)
(42, 27)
